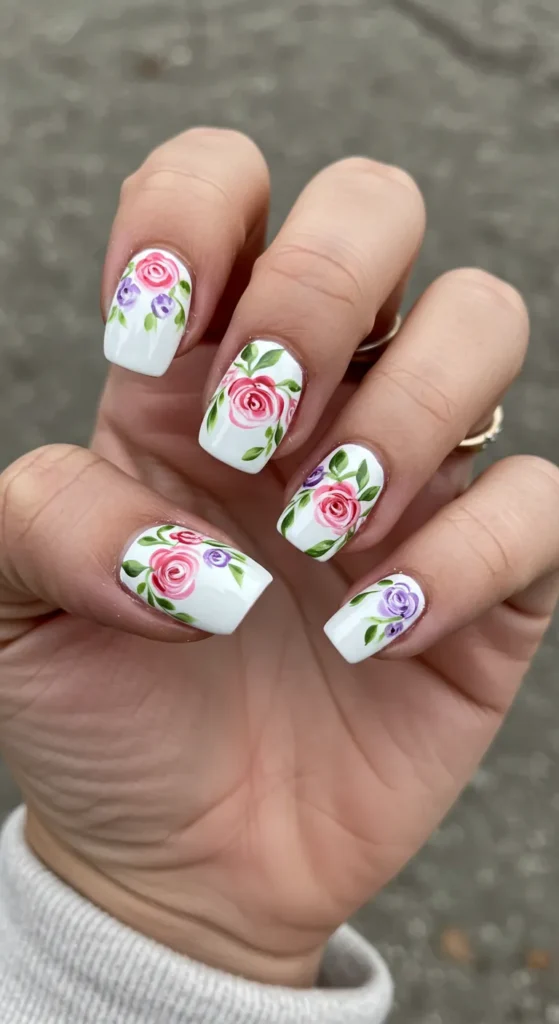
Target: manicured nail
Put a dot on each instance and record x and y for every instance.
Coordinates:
(149, 312)
(253, 406)
(192, 578)
(376, 617)
(333, 502)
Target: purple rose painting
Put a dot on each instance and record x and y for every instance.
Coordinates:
(127, 293)
(398, 599)
(217, 557)
(315, 477)
(162, 306)
(393, 629)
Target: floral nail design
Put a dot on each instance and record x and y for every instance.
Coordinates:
(149, 312)
(253, 406)
(194, 579)
(333, 502)
(376, 617)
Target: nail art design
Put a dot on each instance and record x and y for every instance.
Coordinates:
(253, 406)
(374, 618)
(193, 578)
(333, 502)
(149, 313)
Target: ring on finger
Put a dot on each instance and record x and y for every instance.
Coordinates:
(480, 441)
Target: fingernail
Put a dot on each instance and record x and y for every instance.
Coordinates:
(149, 312)
(192, 578)
(333, 503)
(373, 619)
(253, 406)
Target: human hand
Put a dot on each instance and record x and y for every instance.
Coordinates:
(238, 798)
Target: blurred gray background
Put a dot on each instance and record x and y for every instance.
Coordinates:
(465, 95)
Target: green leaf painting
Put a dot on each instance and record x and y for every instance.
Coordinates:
(133, 568)
(236, 572)
(370, 634)
(268, 359)
(252, 454)
(338, 462)
(320, 549)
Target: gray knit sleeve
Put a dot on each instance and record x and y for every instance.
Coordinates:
(64, 961)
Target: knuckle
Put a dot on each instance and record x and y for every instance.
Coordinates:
(483, 293)
(543, 477)
(387, 177)
(423, 393)
(488, 541)
(29, 484)
(485, 286)
(331, 271)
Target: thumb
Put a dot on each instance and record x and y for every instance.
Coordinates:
(78, 534)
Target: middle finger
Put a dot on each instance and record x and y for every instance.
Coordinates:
(314, 295)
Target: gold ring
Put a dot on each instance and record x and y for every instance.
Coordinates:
(369, 351)
(479, 442)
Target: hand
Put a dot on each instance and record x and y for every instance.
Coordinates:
(238, 798)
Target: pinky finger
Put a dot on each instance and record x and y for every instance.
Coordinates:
(499, 539)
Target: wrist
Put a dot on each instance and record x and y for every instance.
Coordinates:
(156, 907)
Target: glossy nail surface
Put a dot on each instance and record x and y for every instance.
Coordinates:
(333, 502)
(149, 313)
(374, 618)
(253, 406)
(192, 578)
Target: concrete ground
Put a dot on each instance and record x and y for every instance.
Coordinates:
(463, 93)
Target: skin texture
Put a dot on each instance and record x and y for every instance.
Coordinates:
(238, 798)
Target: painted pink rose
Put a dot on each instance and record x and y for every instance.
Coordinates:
(174, 571)
(229, 377)
(336, 506)
(187, 536)
(293, 403)
(157, 272)
(254, 402)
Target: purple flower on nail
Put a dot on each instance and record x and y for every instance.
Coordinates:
(217, 557)
(127, 293)
(398, 599)
(162, 306)
(393, 629)
(315, 477)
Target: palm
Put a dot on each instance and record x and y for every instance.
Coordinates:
(299, 783)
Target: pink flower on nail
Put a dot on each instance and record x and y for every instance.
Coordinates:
(174, 571)
(293, 403)
(186, 536)
(336, 506)
(254, 402)
(157, 272)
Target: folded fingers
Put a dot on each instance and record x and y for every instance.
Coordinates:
(478, 551)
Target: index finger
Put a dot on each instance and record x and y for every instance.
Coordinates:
(194, 209)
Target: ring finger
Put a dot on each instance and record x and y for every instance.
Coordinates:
(457, 353)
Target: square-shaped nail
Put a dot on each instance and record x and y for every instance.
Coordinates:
(253, 406)
(193, 578)
(376, 617)
(333, 503)
(149, 313)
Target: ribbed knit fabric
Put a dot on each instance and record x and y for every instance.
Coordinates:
(64, 961)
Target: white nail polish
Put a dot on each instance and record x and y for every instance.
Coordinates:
(149, 313)
(333, 503)
(253, 406)
(374, 618)
(192, 578)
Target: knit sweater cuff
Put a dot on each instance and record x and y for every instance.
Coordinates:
(64, 961)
